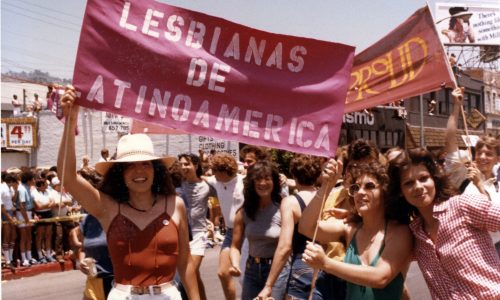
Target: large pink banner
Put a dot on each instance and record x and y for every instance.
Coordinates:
(205, 75)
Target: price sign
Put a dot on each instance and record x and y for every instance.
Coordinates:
(19, 132)
(20, 135)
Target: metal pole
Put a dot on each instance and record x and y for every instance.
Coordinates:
(422, 138)
(168, 143)
(24, 99)
(91, 134)
(189, 147)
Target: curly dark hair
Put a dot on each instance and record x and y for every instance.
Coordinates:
(378, 171)
(195, 160)
(361, 149)
(305, 168)
(114, 185)
(260, 170)
(225, 163)
(403, 162)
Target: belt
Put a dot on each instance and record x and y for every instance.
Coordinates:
(260, 260)
(145, 290)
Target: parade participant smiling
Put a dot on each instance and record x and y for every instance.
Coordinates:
(137, 207)
(452, 245)
(378, 238)
(259, 220)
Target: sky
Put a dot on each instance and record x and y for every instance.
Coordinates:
(44, 34)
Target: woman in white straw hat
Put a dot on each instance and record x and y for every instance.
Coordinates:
(137, 207)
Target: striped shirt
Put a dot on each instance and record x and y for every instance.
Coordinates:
(462, 263)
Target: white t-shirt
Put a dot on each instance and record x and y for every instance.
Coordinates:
(41, 198)
(7, 194)
(230, 196)
(66, 198)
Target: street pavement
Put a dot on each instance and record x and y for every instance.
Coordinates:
(69, 285)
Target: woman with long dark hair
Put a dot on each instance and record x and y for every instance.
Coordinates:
(452, 244)
(259, 220)
(145, 222)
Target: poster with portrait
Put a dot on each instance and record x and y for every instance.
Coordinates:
(461, 23)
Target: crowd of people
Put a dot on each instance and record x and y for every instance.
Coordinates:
(341, 228)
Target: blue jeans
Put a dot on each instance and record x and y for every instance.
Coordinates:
(228, 239)
(329, 287)
(299, 282)
(256, 276)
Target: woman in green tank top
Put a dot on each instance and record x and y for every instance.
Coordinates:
(378, 238)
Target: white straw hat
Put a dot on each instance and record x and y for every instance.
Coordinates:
(132, 148)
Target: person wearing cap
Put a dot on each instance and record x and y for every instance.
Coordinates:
(459, 29)
(136, 204)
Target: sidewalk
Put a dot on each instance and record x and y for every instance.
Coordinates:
(19, 272)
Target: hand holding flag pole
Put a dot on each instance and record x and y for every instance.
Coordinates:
(331, 173)
(69, 116)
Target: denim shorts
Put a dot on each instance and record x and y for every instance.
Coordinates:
(255, 279)
(299, 282)
(329, 287)
(12, 213)
(228, 239)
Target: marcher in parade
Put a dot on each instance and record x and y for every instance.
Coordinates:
(145, 222)
(229, 187)
(467, 175)
(195, 193)
(380, 242)
(359, 151)
(305, 170)
(259, 220)
(94, 260)
(452, 245)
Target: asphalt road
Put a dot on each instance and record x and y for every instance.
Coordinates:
(69, 285)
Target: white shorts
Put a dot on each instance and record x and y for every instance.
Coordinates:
(121, 292)
(199, 243)
(20, 218)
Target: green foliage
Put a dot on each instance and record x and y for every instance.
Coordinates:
(282, 158)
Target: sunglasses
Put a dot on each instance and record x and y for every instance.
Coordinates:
(354, 188)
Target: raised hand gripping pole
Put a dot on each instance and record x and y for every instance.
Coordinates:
(316, 271)
(65, 133)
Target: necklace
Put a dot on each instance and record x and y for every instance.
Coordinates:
(141, 210)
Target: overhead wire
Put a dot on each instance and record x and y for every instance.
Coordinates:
(49, 9)
(52, 17)
(41, 20)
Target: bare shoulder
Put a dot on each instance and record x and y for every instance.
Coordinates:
(290, 203)
(398, 232)
(349, 229)
(176, 208)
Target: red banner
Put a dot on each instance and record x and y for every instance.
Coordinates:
(205, 75)
(408, 61)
